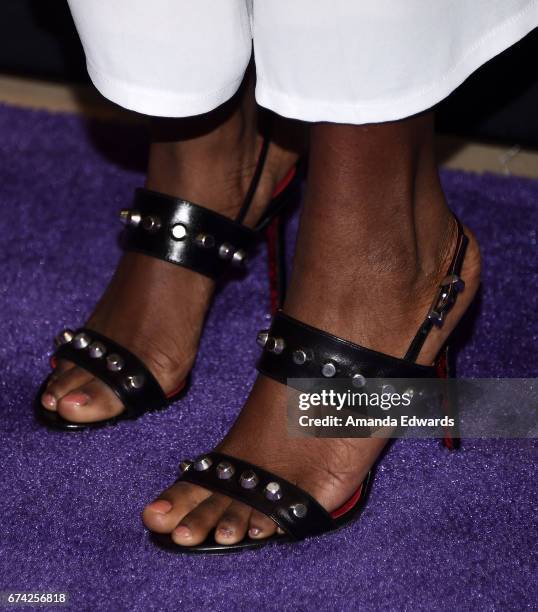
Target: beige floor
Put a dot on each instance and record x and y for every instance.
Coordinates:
(454, 152)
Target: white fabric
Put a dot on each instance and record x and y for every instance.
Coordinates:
(344, 61)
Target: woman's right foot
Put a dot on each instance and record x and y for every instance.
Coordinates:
(152, 307)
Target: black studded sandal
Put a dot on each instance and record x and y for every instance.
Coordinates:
(191, 236)
(294, 350)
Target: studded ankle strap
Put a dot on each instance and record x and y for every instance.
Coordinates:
(186, 234)
(192, 236)
(294, 350)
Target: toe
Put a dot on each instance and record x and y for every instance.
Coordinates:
(233, 524)
(163, 514)
(90, 402)
(62, 384)
(260, 526)
(48, 401)
(195, 527)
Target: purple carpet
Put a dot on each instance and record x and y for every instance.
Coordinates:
(441, 531)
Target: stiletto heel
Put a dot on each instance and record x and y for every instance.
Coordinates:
(183, 233)
(449, 400)
(276, 255)
(294, 350)
(289, 188)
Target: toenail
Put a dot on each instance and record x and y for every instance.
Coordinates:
(161, 506)
(48, 400)
(183, 531)
(76, 399)
(254, 531)
(226, 532)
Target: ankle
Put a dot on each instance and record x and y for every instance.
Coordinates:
(381, 299)
(212, 169)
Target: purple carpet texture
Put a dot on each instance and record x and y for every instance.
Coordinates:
(442, 531)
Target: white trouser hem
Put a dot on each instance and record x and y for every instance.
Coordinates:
(490, 45)
(159, 103)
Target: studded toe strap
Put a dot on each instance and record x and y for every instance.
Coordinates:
(291, 508)
(185, 233)
(117, 367)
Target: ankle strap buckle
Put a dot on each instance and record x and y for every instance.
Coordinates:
(449, 289)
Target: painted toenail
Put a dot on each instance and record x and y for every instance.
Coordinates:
(161, 506)
(48, 400)
(76, 399)
(226, 532)
(183, 532)
(254, 531)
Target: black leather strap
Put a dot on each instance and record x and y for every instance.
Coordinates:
(186, 234)
(446, 296)
(293, 349)
(251, 192)
(118, 368)
(295, 511)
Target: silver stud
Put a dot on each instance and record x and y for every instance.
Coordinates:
(225, 470)
(130, 217)
(151, 224)
(114, 362)
(300, 356)
(81, 341)
(203, 464)
(64, 337)
(248, 480)
(239, 258)
(262, 337)
(273, 491)
(275, 345)
(226, 251)
(97, 349)
(205, 240)
(358, 380)
(184, 465)
(133, 382)
(328, 369)
(298, 510)
(178, 231)
(388, 389)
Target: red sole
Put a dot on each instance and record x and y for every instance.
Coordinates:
(441, 367)
(272, 256)
(284, 182)
(272, 244)
(177, 390)
(349, 505)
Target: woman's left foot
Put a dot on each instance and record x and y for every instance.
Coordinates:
(331, 470)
